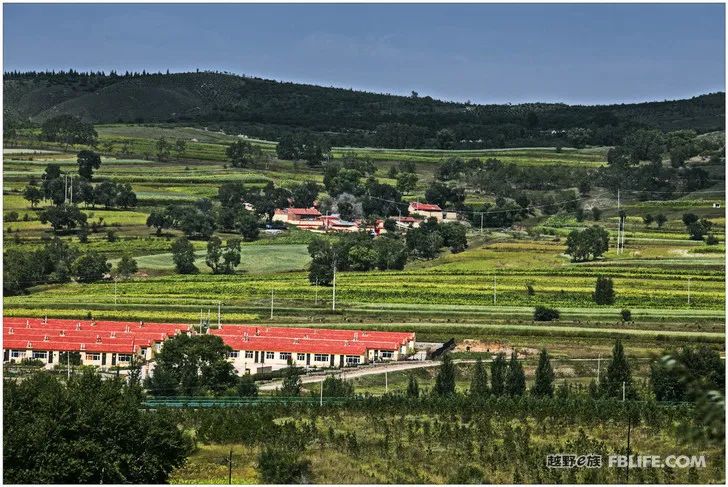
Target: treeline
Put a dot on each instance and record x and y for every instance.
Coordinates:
(275, 110)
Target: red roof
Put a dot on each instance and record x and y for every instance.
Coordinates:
(424, 207)
(304, 211)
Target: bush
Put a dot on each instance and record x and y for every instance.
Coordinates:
(542, 313)
(626, 315)
(277, 465)
(711, 239)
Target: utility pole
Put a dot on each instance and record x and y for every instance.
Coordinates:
(481, 223)
(219, 303)
(321, 393)
(230, 467)
(386, 382)
(271, 304)
(689, 291)
(316, 292)
(624, 391)
(68, 365)
(599, 368)
(114, 293)
(333, 302)
(494, 288)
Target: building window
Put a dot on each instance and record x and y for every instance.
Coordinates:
(301, 357)
(352, 359)
(248, 354)
(321, 357)
(233, 354)
(123, 358)
(270, 355)
(17, 354)
(285, 355)
(387, 354)
(40, 355)
(93, 356)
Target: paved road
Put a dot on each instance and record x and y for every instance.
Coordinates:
(350, 374)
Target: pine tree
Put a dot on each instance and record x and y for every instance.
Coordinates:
(445, 380)
(618, 373)
(544, 383)
(604, 290)
(413, 388)
(515, 378)
(498, 375)
(479, 382)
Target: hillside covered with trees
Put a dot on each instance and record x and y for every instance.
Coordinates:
(344, 117)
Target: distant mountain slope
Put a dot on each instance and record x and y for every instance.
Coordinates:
(269, 109)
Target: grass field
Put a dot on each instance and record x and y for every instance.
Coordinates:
(481, 293)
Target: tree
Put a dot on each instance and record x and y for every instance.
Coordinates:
(515, 377)
(699, 229)
(689, 218)
(33, 194)
(445, 380)
(479, 381)
(126, 266)
(660, 219)
(413, 388)
(453, 236)
(183, 254)
(687, 373)
(214, 254)
(90, 267)
(391, 252)
(445, 139)
(406, 182)
(544, 384)
(618, 373)
(498, 375)
(164, 148)
(247, 387)
(587, 244)
(160, 220)
(195, 364)
(335, 387)
(305, 194)
(180, 147)
(63, 217)
(648, 219)
(596, 213)
(88, 161)
(98, 429)
(247, 225)
(68, 130)
(626, 315)
(542, 313)
(604, 290)
(242, 153)
(282, 465)
(291, 384)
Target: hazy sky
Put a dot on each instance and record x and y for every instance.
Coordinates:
(484, 53)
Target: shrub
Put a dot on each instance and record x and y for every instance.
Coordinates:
(626, 315)
(542, 313)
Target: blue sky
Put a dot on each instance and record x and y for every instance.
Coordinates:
(514, 53)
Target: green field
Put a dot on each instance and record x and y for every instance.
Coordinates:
(674, 287)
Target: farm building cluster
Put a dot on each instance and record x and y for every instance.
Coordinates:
(312, 219)
(254, 349)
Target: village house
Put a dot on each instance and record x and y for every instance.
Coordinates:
(432, 211)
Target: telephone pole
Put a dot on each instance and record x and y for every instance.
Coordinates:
(230, 467)
(271, 304)
(333, 302)
(494, 288)
(689, 291)
(219, 303)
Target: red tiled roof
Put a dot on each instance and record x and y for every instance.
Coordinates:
(294, 345)
(424, 207)
(304, 211)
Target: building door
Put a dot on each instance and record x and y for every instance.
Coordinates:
(103, 359)
(308, 359)
(113, 359)
(262, 357)
(256, 357)
(332, 360)
(341, 360)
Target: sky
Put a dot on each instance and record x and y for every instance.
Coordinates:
(486, 53)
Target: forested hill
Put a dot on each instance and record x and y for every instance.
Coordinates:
(269, 109)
